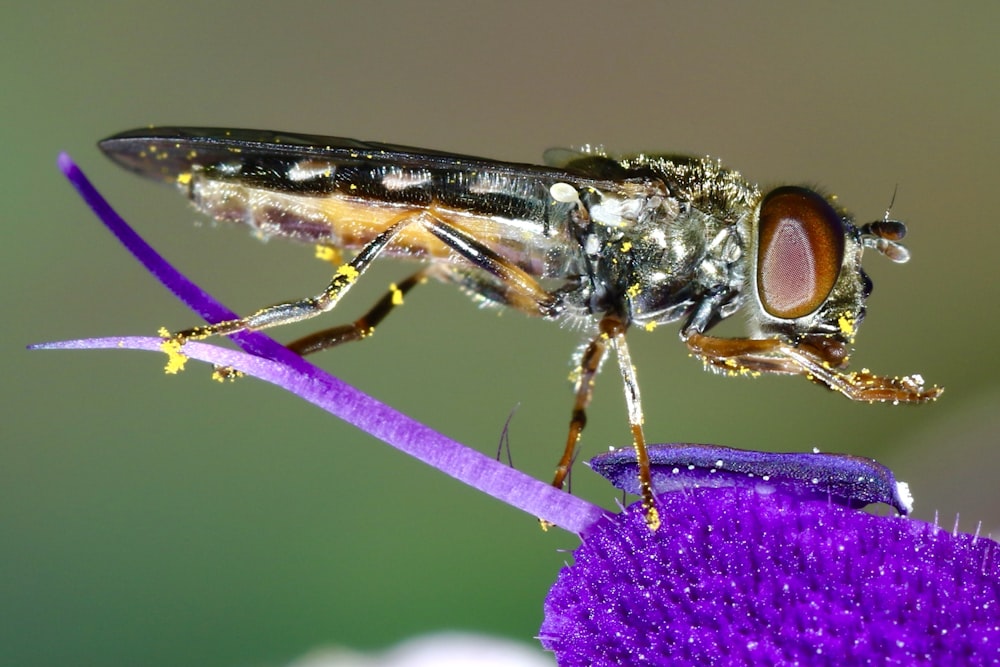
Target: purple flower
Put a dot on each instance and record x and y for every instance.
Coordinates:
(737, 577)
(739, 574)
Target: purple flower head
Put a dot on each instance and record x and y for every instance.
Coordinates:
(769, 566)
(752, 569)
(740, 577)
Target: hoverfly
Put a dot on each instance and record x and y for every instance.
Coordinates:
(607, 243)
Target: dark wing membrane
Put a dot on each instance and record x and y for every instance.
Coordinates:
(166, 152)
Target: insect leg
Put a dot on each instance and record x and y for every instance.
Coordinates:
(364, 326)
(821, 361)
(294, 311)
(590, 363)
(616, 333)
(515, 287)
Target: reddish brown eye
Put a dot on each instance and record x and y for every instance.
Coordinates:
(799, 253)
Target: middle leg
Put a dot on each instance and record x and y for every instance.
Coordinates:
(364, 326)
(612, 332)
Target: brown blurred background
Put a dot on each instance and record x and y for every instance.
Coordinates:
(161, 520)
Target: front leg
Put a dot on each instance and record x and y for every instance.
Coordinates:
(820, 359)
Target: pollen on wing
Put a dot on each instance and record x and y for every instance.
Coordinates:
(172, 348)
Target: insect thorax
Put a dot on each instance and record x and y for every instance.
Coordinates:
(683, 245)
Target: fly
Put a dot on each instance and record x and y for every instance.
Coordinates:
(609, 244)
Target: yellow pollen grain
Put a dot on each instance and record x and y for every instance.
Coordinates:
(328, 254)
(846, 324)
(397, 295)
(184, 179)
(626, 246)
(633, 291)
(224, 373)
(348, 271)
(175, 359)
(652, 518)
(649, 326)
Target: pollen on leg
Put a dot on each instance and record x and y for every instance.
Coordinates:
(397, 294)
(348, 272)
(653, 518)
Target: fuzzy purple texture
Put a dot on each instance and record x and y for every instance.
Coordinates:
(737, 577)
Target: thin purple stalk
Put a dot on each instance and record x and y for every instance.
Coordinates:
(268, 360)
(189, 293)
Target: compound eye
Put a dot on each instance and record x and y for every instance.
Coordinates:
(799, 253)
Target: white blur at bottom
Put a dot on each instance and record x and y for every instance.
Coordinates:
(446, 649)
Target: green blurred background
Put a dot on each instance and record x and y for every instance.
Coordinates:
(158, 520)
